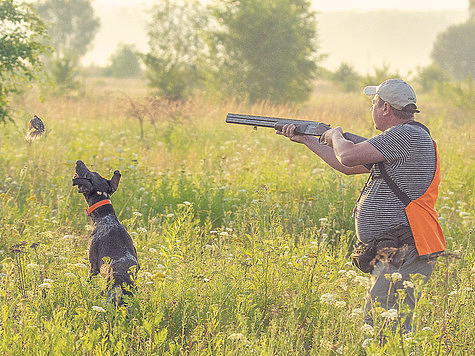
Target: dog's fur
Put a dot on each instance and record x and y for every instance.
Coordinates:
(111, 250)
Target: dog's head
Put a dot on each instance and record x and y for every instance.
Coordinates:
(91, 183)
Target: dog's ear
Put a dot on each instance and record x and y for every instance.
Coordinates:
(84, 185)
(114, 182)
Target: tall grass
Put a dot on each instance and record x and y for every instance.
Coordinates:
(243, 238)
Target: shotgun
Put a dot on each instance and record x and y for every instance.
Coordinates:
(302, 127)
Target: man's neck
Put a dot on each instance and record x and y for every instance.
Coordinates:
(395, 121)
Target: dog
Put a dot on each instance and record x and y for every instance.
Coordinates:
(111, 250)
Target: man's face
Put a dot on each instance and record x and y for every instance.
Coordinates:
(377, 112)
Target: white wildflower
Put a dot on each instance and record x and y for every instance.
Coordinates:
(394, 277)
(367, 329)
(152, 250)
(427, 328)
(340, 304)
(44, 285)
(98, 309)
(408, 284)
(133, 233)
(323, 220)
(366, 343)
(137, 213)
(142, 230)
(186, 202)
(170, 215)
(206, 280)
(213, 232)
(356, 312)
(229, 229)
(82, 265)
(327, 298)
(236, 337)
(350, 274)
(390, 314)
(224, 233)
(363, 281)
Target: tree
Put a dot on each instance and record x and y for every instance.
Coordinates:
(71, 27)
(380, 75)
(265, 50)
(124, 62)
(21, 36)
(454, 50)
(347, 77)
(430, 77)
(176, 47)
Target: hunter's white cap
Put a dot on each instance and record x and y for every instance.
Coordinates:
(397, 93)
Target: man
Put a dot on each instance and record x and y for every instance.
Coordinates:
(396, 206)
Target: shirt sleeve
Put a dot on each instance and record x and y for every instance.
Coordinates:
(395, 144)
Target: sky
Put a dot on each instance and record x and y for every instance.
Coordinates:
(123, 22)
(334, 5)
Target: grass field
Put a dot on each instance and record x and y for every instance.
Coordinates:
(243, 237)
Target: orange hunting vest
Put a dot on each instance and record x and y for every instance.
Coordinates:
(421, 212)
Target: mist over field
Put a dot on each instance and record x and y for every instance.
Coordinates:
(366, 39)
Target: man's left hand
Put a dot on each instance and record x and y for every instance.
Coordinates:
(329, 135)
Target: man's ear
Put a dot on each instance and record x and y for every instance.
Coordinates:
(387, 108)
(114, 182)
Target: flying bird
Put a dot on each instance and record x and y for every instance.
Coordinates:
(36, 129)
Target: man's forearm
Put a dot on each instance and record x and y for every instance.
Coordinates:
(327, 154)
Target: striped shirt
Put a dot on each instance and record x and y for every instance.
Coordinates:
(410, 161)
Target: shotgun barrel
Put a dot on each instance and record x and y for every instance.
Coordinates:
(302, 127)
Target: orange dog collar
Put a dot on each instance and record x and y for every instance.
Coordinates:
(97, 205)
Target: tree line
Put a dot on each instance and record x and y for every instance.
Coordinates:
(251, 50)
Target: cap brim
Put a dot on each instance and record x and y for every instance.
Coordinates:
(371, 90)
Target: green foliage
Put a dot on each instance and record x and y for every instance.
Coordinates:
(430, 77)
(71, 25)
(265, 50)
(124, 62)
(454, 50)
(21, 35)
(380, 75)
(347, 77)
(242, 237)
(71, 28)
(176, 47)
(460, 94)
(64, 70)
